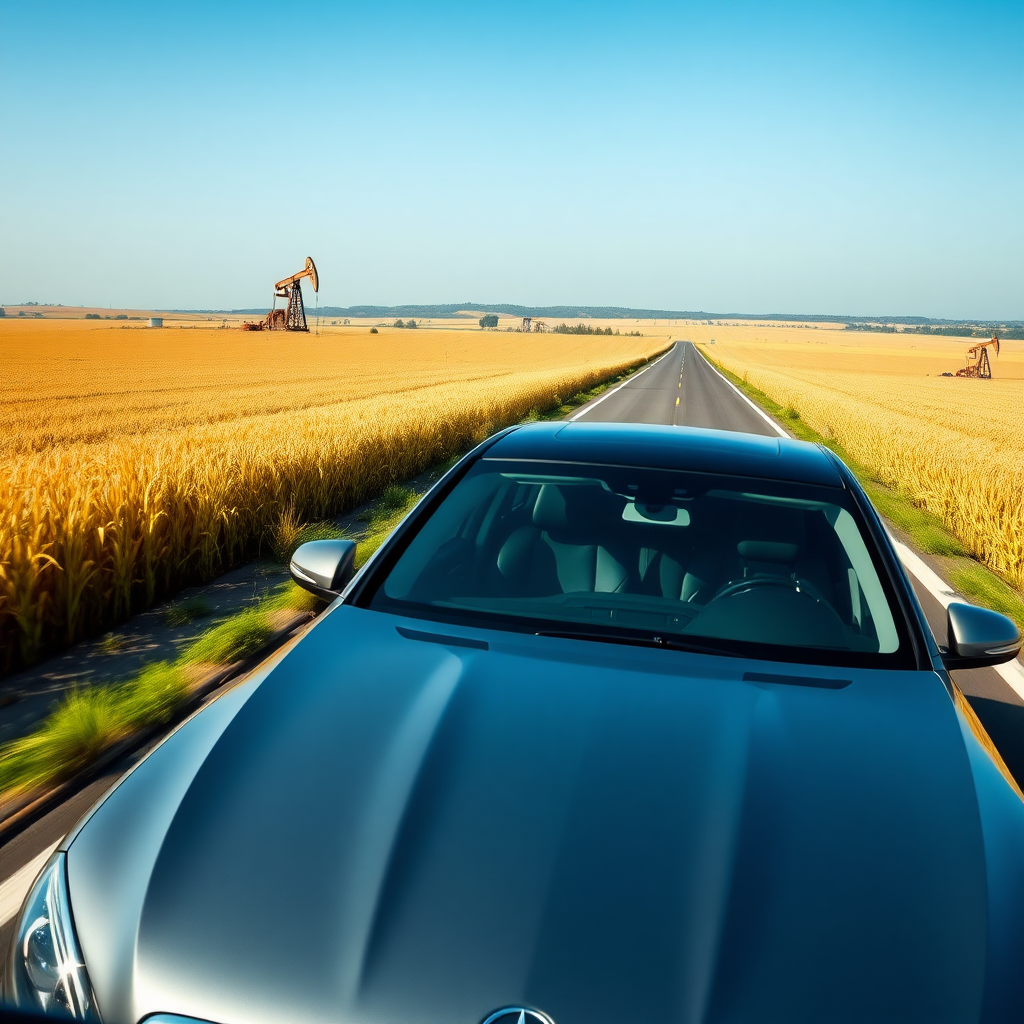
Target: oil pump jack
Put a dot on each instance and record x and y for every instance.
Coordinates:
(293, 316)
(978, 364)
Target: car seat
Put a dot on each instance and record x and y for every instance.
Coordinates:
(569, 547)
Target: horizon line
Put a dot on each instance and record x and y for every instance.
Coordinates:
(566, 310)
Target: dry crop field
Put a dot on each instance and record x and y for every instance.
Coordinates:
(135, 461)
(954, 445)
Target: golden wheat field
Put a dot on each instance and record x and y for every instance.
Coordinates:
(135, 461)
(954, 445)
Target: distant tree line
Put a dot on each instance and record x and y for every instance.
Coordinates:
(874, 328)
(450, 309)
(969, 332)
(1005, 334)
(564, 328)
(407, 323)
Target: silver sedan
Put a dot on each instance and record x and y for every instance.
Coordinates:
(623, 724)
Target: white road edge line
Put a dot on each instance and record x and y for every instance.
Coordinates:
(1011, 671)
(13, 890)
(628, 380)
(753, 405)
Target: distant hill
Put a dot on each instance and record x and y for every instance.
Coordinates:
(474, 309)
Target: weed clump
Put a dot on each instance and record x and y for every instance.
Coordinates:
(290, 531)
(396, 497)
(233, 639)
(286, 533)
(152, 697)
(112, 643)
(184, 612)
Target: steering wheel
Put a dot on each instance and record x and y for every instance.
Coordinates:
(747, 584)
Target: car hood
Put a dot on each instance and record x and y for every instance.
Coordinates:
(399, 828)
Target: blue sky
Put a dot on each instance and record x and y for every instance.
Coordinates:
(862, 158)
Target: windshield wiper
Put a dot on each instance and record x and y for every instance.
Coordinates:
(634, 641)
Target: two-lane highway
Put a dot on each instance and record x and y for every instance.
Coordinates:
(680, 389)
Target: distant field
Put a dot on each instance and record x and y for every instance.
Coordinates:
(954, 445)
(134, 461)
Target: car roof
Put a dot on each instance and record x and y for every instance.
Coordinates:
(663, 447)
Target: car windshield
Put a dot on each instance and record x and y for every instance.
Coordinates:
(727, 564)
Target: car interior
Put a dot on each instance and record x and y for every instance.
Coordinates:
(652, 550)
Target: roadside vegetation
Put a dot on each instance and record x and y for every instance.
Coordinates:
(91, 720)
(928, 531)
(125, 479)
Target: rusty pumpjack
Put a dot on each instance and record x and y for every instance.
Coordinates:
(529, 324)
(293, 316)
(978, 364)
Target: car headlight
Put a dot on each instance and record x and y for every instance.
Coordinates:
(45, 971)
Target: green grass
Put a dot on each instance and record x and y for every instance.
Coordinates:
(152, 696)
(396, 498)
(184, 612)
(393, 506)
(290, 597)
(83, 725)
(89, 721)
(233, 639)
(973, 580)
(368, 546)
(928, 533)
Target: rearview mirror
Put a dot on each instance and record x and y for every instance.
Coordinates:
(323, 567)
(977, 637)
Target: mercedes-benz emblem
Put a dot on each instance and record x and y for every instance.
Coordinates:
(518, 1015)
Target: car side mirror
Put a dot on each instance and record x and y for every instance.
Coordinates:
(324, 567)
(977, 637)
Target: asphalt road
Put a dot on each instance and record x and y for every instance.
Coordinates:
(682, 389)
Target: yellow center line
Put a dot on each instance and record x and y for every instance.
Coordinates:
(677, 401)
